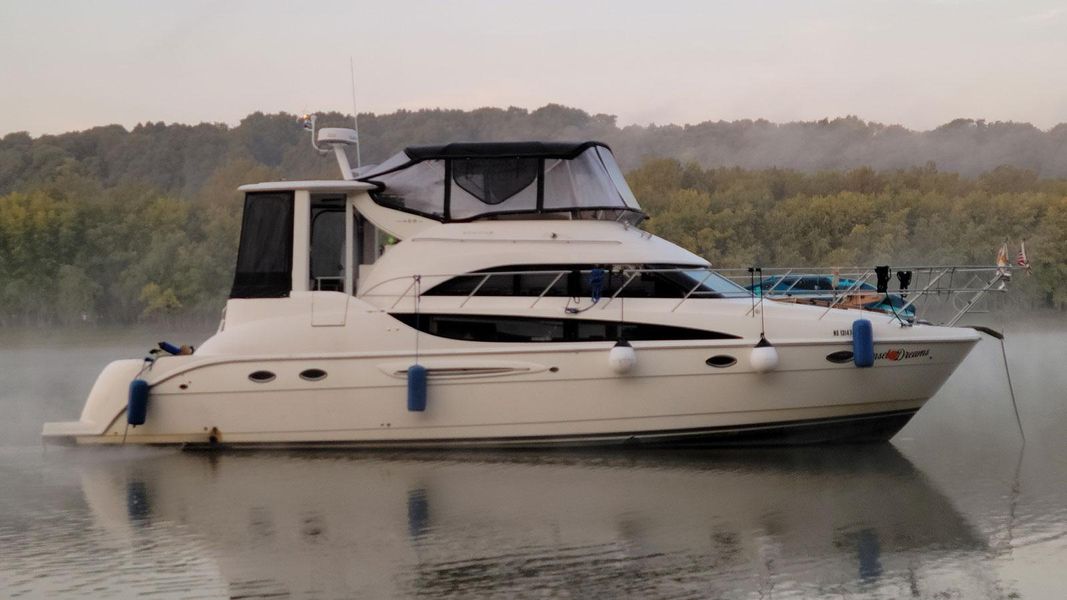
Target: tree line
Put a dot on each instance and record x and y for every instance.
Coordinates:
(918, 216)
(181, 158)
(110, 225)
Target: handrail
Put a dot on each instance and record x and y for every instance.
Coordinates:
(976, 288)
(851, 290)
(545, 291)
(475, 290)
(978, 296)
(928, 286)
(693, 289)
(780, 279)
(401, 296)
(633, 275)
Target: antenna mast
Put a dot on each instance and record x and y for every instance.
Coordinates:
(355, 115)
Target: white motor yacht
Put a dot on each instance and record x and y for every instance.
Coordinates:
(504, 294)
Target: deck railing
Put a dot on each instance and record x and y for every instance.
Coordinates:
(950, 291)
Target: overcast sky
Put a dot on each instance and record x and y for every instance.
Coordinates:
(920, 63)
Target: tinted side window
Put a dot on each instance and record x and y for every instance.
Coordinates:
(574, 282)
(265, 257)
(504, 284)
(493, 328)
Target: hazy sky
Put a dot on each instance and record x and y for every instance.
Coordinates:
(921, 63)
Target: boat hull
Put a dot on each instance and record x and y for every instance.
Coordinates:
(858, 429)
(512, 398)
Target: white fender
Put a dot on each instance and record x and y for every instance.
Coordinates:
(622, 357)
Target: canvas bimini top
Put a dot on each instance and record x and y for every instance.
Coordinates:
(467, 181)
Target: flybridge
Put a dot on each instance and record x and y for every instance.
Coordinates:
(467, 181)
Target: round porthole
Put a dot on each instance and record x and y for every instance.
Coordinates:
(840, 357)
(313, 375)
(261, 376)
(721, 361)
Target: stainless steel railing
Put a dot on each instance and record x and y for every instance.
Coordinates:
(955, 289)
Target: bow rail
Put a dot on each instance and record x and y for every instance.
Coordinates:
(937, 294)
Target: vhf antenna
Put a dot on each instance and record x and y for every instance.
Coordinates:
(355, 115)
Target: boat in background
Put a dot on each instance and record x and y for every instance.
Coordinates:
(831, 290)
(926, 294)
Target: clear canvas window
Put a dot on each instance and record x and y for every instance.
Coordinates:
(461, 182)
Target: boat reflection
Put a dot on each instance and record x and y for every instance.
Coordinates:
(722, 523)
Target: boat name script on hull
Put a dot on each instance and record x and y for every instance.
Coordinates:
(902, 354)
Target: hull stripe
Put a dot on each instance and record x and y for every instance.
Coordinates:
(848, 429)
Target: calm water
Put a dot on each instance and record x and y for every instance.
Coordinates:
(953, 508)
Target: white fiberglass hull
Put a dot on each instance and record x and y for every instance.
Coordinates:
(549, 395)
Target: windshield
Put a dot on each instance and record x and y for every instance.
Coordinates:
(714, 283)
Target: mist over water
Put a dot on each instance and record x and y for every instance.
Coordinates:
(46, 374)
(955, 507)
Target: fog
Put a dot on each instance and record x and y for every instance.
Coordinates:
(47, 374)
(955, 506)
(966, 146)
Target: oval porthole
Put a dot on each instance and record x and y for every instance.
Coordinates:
(261, 376)
(721, 361)
(840, 357)
(313, 374)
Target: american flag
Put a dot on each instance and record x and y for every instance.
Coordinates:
(1022, 260)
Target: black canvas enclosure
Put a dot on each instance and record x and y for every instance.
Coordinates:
(265, 256)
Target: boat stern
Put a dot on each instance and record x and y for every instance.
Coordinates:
(106, 402)
(66, 433)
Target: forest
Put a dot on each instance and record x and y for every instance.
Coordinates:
(110, 225)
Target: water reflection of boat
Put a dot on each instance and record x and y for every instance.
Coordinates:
(502, 524)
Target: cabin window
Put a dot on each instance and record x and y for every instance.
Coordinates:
(327, 256)
(496, 328)
(265, 255)
(659, 281)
